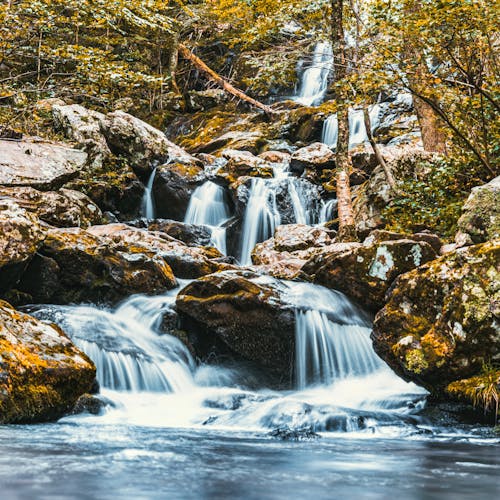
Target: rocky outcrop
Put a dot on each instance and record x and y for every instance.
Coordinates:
(42, 374)
(480, 220)
(366, 272)
(242, 163)
(38, 164)
(74, 265)
(316, 156)
(441, 321)
(240, 313)
(190, 234)
(185, 261)
(63, 208)
(20, 237)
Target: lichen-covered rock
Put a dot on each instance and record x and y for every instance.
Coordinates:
(242, 163)
(441, 321)
(20, 237)
(365, 272)
(42, 165)
(241, 313)
(42, 374)
(74, 265)
(316, 156)
(480, 220)
(63, 208)
(142, 144)
(172, 188)
(185, 261)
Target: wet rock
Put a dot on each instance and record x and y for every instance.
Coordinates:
(38, 164)
(172, 189)
(244, 313)
(185, 261)
(366, 272)
(21, 235)
(88, 403)
(63, 208)
(275, 157)
(143, 145)
(42, 374)
(288, 434)
(480, 220)
(242, 163)
(316, 156)
(440, 323)
(82, 266)
(190, 234)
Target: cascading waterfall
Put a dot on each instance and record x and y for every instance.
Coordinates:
(327, 210)
(148, 204)
(208, 207)
(314, 81)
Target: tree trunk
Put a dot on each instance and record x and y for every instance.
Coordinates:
(347, 226)
(172, 64)
(433, 136)
(187, 54)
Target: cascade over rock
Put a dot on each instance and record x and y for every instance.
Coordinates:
(366, 271)
(74, 265)
(21, 235)
(42, 374)
(441, 321)
(63, 208)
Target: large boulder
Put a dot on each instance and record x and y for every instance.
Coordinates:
(190, 234)
(173, 186)
(185, 261)
(63, 208)
(480, 220)
(242, 163)
(241, 313)
(441, 321)
(42, 374)
(316, 156)
(140, 143)
(74, 265)
(41, 165)
(366, 272)
(21, 235)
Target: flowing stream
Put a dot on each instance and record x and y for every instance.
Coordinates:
(148, 204)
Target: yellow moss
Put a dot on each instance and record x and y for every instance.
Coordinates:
(415, 361)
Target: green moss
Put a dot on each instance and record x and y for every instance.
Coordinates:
(415, 361)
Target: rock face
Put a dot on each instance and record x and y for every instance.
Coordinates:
(441, 322)
(63, 208)
(42, 165)
(20, 237)
(365, 272)
(480, 220)
(42, 374)
(190, 234)
(316, 156)
(142, 144)
(74, 265)
(244, 314)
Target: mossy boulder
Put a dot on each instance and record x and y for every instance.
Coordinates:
(74, 265)
(480, 220)
(42, 374)
(21, 235)
(63, 208)
(441, 321)
(366, 272)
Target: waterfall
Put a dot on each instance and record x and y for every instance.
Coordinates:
(314, 81)
(327, 210)
(261, 217)
(330, 131)
(208, 207)
(148, 205)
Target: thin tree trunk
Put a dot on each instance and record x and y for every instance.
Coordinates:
(378, 153)
(433, 135)
(172, 64)
(347, 225)
(226, 86)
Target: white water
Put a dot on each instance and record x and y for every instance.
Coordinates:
(314, 81)
(327, 210)
(208, 207)
(148, 205)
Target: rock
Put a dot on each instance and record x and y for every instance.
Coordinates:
(242, 163)
(41, 165)
(242, 313)
(88, 403)
(480, 220)
(190, 234)
(239, 140)
(440, 323)
(300, 237)
(63, 208)
(276, 157)
(42, 374)
(206, 99)
(83, 126)
(185, 261)
(366, 272)
(74, 265)
(316, 156)
(172, 189)
(142, 145)
(20, 237)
